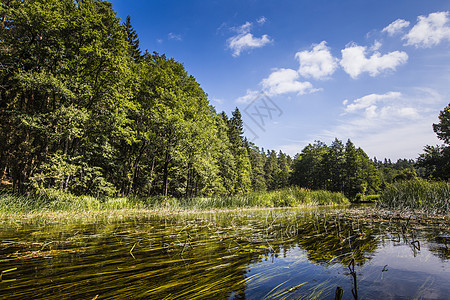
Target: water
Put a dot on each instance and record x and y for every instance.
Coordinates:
(265, 254)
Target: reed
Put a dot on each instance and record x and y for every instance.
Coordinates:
(54, 200)
(417, 195)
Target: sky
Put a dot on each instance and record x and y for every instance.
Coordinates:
(376, 72)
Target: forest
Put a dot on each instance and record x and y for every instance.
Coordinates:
(85, 111)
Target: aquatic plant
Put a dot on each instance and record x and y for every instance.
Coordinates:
(55, 200)
(209, 255)
(417, 195)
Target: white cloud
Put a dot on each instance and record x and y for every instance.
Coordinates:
(244, 40)
(249, 97)
(283, 81)
(376, 46)
(173, 36)
(217, 100)
(355, 62)
(429, 31)
(317, 63)
(262, 20)
(368, 101)
(396, 27)
(391, 125)
(280, 81)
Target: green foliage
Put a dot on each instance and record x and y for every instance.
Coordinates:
(335, 168)
(435, 162)
(442, 129)
(431, 197)
(436, 159)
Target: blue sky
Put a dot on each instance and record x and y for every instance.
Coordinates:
(377, 72)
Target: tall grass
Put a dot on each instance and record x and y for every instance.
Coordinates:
(287, 197)
(53, 200)
(430, 197)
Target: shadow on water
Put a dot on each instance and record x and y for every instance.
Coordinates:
(266, 254)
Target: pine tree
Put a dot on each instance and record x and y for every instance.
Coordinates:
(133, 40)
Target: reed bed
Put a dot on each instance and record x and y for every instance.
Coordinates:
(417, 195)
(53, 200)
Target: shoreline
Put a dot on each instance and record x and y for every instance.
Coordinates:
(47, 217)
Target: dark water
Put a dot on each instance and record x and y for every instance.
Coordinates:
(269, 254)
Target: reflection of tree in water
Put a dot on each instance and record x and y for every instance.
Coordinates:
(441, 246)
(329, 240)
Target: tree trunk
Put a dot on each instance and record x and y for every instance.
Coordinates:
(151, 177)
(166, 173)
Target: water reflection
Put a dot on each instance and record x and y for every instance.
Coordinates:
(278, 254)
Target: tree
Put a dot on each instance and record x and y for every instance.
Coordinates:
(442, 129)
(353, 181)
(435, 162)
(257, 160)
(436, 159)
(271, 169)
(225, 157)
(64, 89)
(133, 40)
(283, 173)
(333, 164)
(307, 166)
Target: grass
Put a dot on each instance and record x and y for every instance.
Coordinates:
(417, 195)
(288, 197)
(54, 200)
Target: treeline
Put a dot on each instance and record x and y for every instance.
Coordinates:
(336, 168)
(83, 110)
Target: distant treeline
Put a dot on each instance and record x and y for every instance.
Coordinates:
(83, 110)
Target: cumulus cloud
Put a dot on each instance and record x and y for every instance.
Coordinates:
(389, 124)
(369, 101)
(284, 81)
(382, 107)
(317, 63)
(376, 46)
(280, 81)
(429, 31)
(248, 97)
(396, 27)
(244, 39)
(355, 62)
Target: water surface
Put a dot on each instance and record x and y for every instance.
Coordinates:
(261, 254)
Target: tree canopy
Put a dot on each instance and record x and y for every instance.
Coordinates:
(436, 159)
